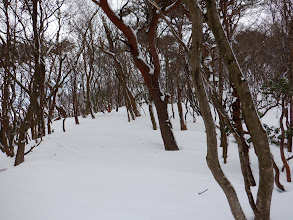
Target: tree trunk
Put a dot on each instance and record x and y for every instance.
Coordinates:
(4, 117)
(25, 125)
(255, 128)
(151, 76)
(119, 71)
(224, 138)
(36, 91)
(282, 143)
(179, 104)
(152, 117)
(212, 151)
(165, 125)
(290, 124)
(290, 142)
(75, 100)
(243, 147)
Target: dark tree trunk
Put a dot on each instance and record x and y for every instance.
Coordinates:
(4, 117)
(290, 142)
(282, 143)
(290, 124)
(152, 117)
(165, 124)
(38, 79)
(179, 104)
(277, 176)
(243, 147)
(224, 138)
(25, 125)
(75, 100)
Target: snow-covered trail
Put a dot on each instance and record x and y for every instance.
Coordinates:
(110, 169)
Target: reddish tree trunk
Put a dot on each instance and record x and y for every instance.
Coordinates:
(151, 76)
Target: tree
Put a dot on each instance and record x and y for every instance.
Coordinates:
(212, 152)
(6, 136)
(150, 74)
(255, 128)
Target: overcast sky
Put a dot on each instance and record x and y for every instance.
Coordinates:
(117, 3)
(254, 18)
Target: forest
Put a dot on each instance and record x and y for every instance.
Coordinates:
(228, 62)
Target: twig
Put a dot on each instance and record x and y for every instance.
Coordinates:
(277, 175)
(169, 24)
(203, 192)
(289, 158)
(33, 147)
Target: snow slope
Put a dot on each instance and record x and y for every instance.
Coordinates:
(109, 169)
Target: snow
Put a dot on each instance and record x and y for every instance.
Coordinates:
(50, 48)
(108, 169)
(151, 69)
(170, 6)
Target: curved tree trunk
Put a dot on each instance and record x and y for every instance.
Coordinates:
(255, 128)
(150, 75)
(212, 151)
(282, 143)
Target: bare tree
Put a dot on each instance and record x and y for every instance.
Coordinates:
(255, 128)
(150, 73)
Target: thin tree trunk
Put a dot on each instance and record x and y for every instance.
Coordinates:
(240, 142)
(152, 117)
(118, 96)
(179, 104)
(180, 111)
(75, 100)
(277, 176)
(212, 151)
(291, 86)
(290, 124)
(282, 143)
(224, 138)
(243, 147)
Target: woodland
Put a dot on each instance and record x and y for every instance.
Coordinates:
(227, 61)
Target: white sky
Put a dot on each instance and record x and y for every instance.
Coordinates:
(116, 3)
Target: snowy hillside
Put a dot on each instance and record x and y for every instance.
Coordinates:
(109, 169)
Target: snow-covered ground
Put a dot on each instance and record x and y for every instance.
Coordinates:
(110, 169)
